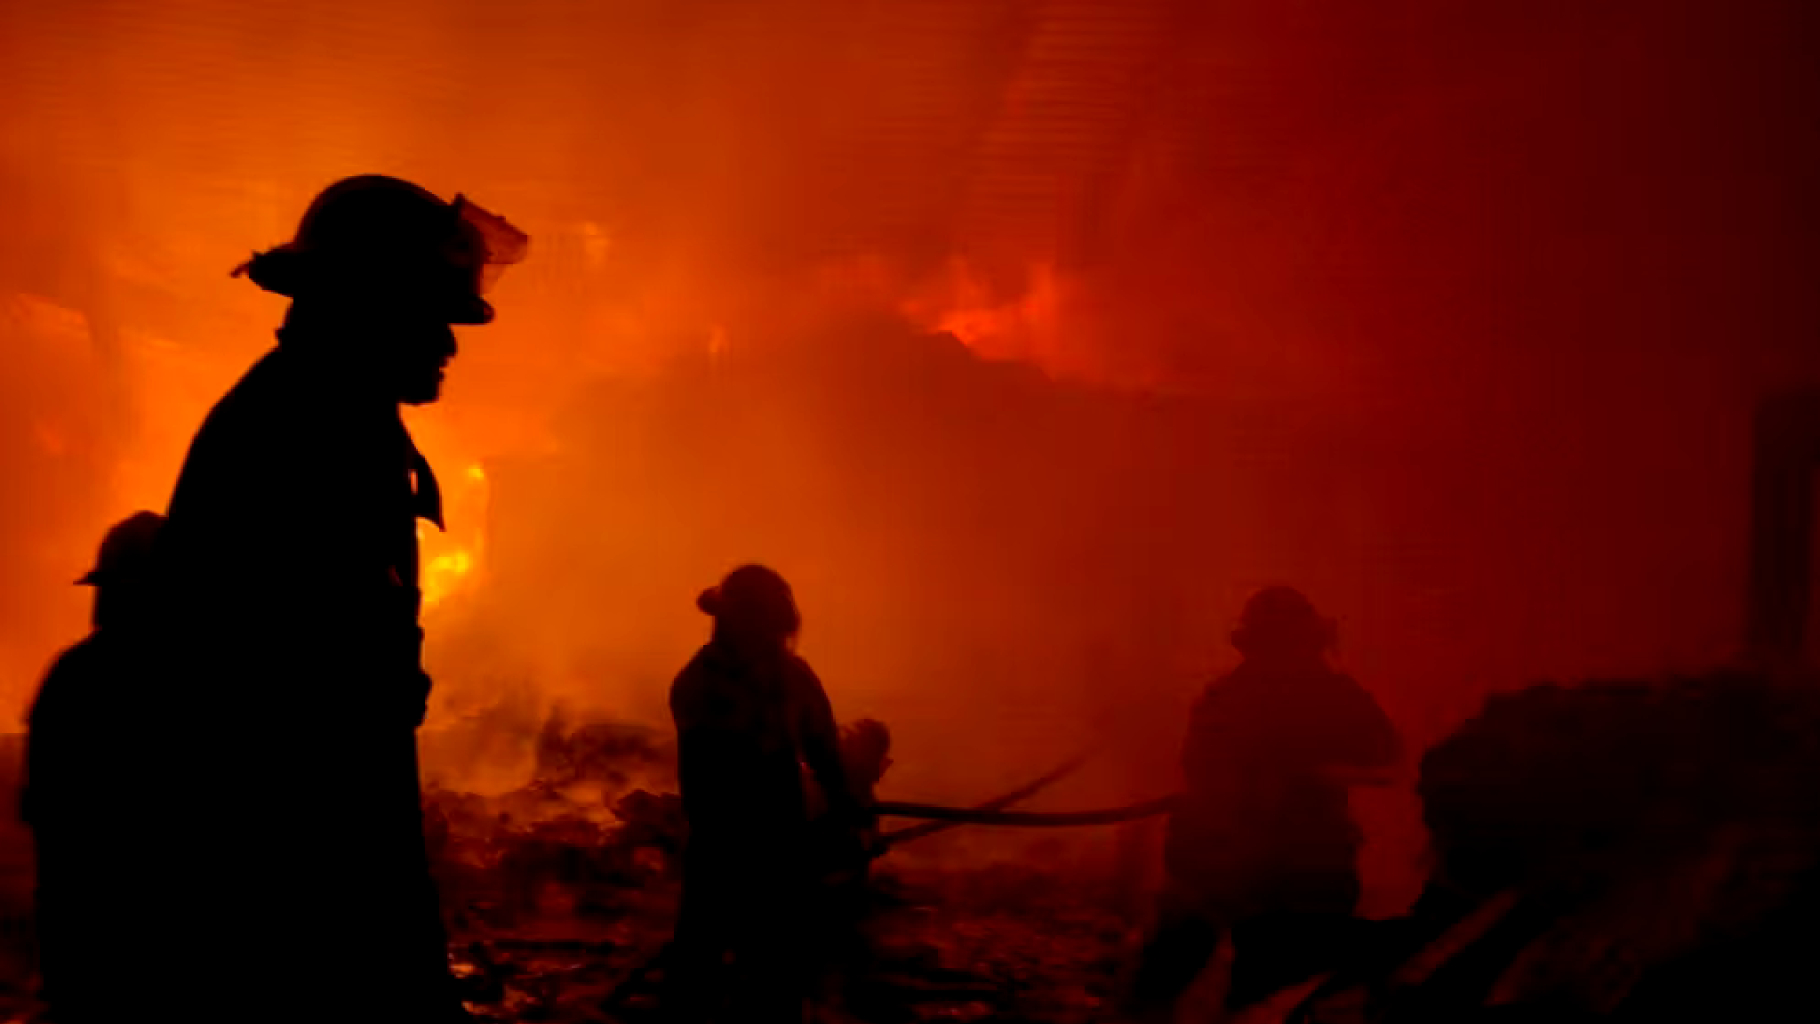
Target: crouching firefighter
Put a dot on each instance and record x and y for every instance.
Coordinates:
(756, 736)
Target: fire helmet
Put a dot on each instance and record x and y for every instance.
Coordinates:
(378, 232)
(753, 599)
(125, 550)
(1282, 617)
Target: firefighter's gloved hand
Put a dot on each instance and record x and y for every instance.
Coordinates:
(871, 843)
(860, 843)
(838, 838)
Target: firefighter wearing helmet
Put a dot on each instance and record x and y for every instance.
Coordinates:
(1262, 849)
(83, 735)
(289, 618)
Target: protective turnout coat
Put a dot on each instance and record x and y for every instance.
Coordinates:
(84, 748)
(753, 738)
(1264, 826)
(756, 735)
(290, 572)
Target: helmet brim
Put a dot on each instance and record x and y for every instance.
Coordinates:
(297, 273)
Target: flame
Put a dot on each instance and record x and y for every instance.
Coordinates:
(1026, 327)
(443, 574)
(1055, 320)
(450, 560)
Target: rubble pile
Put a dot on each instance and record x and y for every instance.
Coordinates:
(561, 894)
(1619, 850)
(560, 891)
(1632, 851)
(579, 836)
(1555, 779)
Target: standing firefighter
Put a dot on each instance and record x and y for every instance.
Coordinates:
(1263, 847)
(79, 745)
(754, 729)
(297, 865)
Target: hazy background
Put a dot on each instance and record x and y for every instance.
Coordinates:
(1450, 313)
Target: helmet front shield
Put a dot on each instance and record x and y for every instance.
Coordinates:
(485, 243)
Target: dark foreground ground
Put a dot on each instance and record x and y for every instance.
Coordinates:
(1619, 852)
(1622, 851)
(955, 950)
(559, 892)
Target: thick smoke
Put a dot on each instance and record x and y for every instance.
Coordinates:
(1451, 314)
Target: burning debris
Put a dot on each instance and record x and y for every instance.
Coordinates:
(562, 890)
(562, 894)
(1600, 852)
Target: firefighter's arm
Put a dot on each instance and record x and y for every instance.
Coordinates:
(820, 738)
(1369, 749)
(1360, 775)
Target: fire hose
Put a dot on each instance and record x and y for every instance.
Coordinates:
(1026, 819)
(931, 826)
(937, 818)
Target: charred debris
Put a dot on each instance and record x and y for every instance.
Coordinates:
(1613, 850)
(1604, 851)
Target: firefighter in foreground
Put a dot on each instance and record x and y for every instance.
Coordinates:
(756, 742)
(297, 878)
(1263, 848)
(78, 756)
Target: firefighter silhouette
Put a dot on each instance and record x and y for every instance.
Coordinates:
(756, 739)
(296, 864)
(83, 734)
(1262, 846)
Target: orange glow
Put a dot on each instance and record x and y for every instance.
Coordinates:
(1459, 315)
(443, 573)
(451, 560)
(1026, 327)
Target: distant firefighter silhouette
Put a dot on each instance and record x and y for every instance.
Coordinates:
(1262, 846)
(296, 868)
(78, 756)
(756, 737)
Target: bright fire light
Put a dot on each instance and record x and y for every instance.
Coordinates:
(1024, 327)
(450, 560)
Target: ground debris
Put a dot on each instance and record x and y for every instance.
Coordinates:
(1619, 850)
(562, 890)
(932, 959)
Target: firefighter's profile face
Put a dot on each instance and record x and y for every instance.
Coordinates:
(421, 348)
